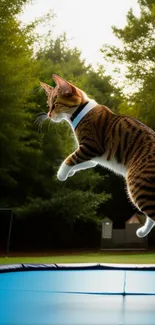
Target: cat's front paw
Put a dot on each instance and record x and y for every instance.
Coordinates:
(63, 172)
(61, 177)
(71, 173)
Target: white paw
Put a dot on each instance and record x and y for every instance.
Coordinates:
(63, 172)
(61, 177)
(145, 230)
(71, 173)
(94, 163)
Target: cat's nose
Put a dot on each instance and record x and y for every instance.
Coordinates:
(49, 114)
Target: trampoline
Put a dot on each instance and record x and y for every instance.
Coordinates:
(77, 294)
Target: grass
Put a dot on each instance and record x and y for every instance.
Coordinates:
(143, 257)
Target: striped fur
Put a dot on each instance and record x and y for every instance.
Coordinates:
(120, 143)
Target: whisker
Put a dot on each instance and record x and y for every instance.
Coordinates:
(37, 125)
(41, 118)
(49, 124)
(36, 121)
(40, 126)
(41, 113)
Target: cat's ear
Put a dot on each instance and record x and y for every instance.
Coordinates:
(46, 87)
(64, 86)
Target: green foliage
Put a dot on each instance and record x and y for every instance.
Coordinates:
(69, 206)
(17, 70)
(11, 8)
(138, 53)
(138, 43)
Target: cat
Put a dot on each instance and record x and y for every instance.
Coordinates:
(120, 143)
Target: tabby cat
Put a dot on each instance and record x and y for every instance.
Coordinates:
(120, 143)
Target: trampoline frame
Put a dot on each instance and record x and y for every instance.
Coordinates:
(75, 266)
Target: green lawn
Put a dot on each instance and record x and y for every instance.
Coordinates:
(101, 257)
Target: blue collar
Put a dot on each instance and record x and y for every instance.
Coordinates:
(81, 112)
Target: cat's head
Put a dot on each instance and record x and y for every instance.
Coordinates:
(64, 99)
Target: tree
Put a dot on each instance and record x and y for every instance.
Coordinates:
(17, 75)
(137, 53)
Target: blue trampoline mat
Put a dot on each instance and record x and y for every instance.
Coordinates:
(77, 294)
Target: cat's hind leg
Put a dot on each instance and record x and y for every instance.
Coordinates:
(141, 190)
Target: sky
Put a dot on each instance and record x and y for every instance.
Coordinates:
(87, 23)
